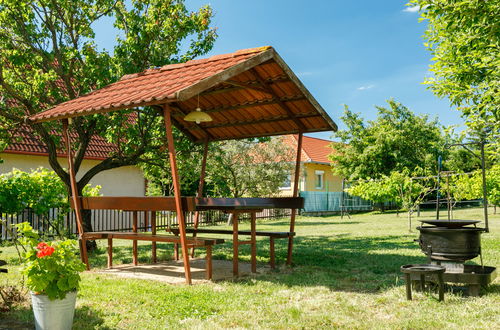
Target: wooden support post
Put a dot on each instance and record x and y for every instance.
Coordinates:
(235, 244)
(134, 242)
(200, 187)
(254, 242)
(176, 251)
(440, 286)
(110, 252)
(177, 191)
(153, 232)
(146, 220)
(408, 286)
(74, 195)
(295, 194)
(208, 262)
(272, 258)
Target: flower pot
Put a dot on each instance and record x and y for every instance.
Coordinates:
(53, 314)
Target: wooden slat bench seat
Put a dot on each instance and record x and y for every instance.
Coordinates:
(192, 241)
(137, 236)
(271, 234)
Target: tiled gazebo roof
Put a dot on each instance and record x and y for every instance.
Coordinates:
(248, 93)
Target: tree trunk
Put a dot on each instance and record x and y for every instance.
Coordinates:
(230, 219)
(409, 221)
(87, 224)
(87, 227)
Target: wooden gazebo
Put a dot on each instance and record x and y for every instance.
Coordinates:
(248, 93)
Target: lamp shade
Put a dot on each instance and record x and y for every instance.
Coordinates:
(198, 116)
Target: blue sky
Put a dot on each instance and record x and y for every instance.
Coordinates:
(358, 53)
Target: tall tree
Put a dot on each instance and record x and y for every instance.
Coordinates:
(398, 139)
(464, 39)
(48, 55)
(247, 168)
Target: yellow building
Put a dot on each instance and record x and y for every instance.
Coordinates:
(27, 153)
(316, 172)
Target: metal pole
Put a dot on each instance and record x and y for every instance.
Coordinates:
(438, 186)
(342, 200)
(485, 198)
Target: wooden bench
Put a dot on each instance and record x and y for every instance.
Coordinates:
(272, 236)
(137, 236)
(148, 205)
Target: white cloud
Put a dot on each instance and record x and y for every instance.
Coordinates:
(363, 88)
(412, 9)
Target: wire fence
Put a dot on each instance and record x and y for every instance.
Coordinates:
(57, 222)
(333, 202)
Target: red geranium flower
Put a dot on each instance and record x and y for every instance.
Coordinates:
(44, 250)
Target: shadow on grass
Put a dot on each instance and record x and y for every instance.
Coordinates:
(19, 318)
(22, 318)
(340, 262)
(88, 318)
(344, 263)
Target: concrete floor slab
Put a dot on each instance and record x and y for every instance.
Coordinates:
(173, 271)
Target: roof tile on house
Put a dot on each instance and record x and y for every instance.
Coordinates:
(313, 149)
(25, 142)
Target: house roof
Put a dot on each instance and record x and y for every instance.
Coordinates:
(26, 143)
(313, 149)
(248, 93)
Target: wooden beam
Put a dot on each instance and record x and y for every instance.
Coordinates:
(217, 78)
(247, 86)
(256, 103)
(134, 203)
(295, 131)
(295, 194)
(261, 121)
(177, 192)
(221, 89)
(282, 104)
(88, 112)
(248, 203)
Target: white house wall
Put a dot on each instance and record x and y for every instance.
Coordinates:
(122, 181)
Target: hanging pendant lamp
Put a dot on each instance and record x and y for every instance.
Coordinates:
(198, 116)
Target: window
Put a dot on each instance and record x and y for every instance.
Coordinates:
(319, 179)
(288, 183)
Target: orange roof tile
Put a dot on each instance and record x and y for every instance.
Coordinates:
(148, 86)
(313, 149)
(248, 93)
(26, 143)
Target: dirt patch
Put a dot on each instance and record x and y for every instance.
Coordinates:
(173, 271)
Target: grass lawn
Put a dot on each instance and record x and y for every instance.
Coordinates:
(345, 274)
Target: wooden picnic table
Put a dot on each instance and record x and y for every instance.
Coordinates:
(237, 206)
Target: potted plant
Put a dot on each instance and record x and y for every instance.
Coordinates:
(53, 276)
